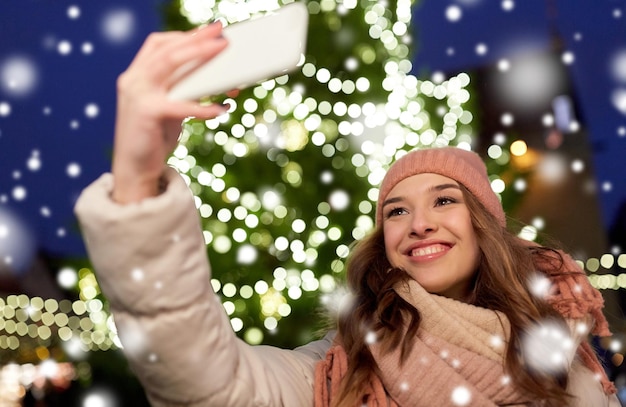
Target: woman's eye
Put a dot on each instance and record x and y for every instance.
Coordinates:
(395, 212)
(444, 200)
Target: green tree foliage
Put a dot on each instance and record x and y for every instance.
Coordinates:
(316, 140)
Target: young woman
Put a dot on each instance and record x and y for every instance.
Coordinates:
(446, 309)
(442, 311)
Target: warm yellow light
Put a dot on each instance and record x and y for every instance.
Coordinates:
(518, 148)
(42, 352)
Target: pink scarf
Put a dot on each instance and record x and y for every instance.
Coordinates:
(458, 356)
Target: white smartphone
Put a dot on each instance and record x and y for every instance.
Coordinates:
(258, 49)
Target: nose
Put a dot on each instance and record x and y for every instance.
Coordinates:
(423, 223)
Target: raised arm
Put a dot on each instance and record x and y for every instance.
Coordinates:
(144, 239)
(148, 123)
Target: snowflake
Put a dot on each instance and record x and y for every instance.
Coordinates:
(548, 348)
(73, 170)
(582, 328)
(496, 342)
(137, 274)
(133, 339)
(461, 396)
(539, 285)
(370, 338)
(508, 5)
(454, 13)
(118, 25)
(338, 301)
(616, 345)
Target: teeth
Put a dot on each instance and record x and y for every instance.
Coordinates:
(425, 251)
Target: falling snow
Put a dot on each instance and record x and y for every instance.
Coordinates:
(481, 49)
(99, 398)
(137, 274)
(454, 13)
(508, 5)
(339, 200)
(55, 115)
(21, 77)
(67, 278)
(461, 396)
(18, 75)
(19, 193)
(73, 170)
(34, 162)
(507, 119)
(337, 301)
(73, 12)
(118, 25)
(92, 110)
(496, 342)
(64, 47)
(548, 348)
(133, 339)
(5, 109)
(539, 285)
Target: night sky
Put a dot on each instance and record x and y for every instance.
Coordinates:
(467, 34)
(58, 64)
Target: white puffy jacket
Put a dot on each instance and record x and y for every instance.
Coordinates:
(151, 264)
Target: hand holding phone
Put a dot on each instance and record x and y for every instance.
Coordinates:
(258, 49)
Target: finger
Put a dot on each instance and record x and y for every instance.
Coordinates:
(153, 42)
(172, 131)
(189, 59)
(182, 110)
(157, 40)
(195, 47)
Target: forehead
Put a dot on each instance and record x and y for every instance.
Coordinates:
(422, 182)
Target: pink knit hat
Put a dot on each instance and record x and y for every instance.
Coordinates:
(463, 166)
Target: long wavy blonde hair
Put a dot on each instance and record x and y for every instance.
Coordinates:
(500, 283)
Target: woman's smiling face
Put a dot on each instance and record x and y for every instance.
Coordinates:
(428, 233)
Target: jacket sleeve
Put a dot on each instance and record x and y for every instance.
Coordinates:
(151, 263)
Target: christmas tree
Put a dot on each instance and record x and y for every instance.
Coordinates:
(286, 181)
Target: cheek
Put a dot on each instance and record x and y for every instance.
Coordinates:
(474, 246)
(391, 240)
(462, 222)
(463, 229)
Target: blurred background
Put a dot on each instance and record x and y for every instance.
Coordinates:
(537, 87)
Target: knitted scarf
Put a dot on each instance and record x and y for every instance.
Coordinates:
(458, 354)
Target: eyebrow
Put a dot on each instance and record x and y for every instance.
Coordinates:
(434, 188)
